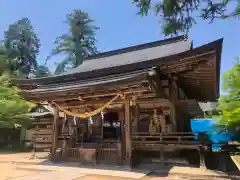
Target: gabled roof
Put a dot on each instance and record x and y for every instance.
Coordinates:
(135, 54)
(197, 69)
(116, 59)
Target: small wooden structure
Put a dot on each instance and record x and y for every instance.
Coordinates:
(134, 99)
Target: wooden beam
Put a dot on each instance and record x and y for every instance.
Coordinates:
(173, 116)
(75, 96)
(101, 101)
(181, 95)
(136, 117)
(156, 83)
(215, 83)
(123, 144)
(162, 154)
(173, 100)
(160, 82)
(55, 132)
(128, 129)
(185, 64)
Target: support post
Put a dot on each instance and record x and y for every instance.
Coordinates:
(162, 154)
(123, 145)
(128, 132)
(65, 148)
(223, 162)
(55, 132)
(173, 116)
(172, 93)
(136, 117)
(202, 158)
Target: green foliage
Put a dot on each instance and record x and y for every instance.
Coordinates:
(211, 114)
(13, 107)
(179, 15)
(21, 44)
(4, 63)
(78, 43)
(18, 53)
(9, 65)
(229, 104)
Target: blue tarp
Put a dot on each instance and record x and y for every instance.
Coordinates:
(207, 126)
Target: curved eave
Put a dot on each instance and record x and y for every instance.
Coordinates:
(86, 85)
(202, 82)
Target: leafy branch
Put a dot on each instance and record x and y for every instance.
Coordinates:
(180, 15)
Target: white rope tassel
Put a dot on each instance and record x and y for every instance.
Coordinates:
(90, 120)
(65, 118)
(102, 115)
(74, 120)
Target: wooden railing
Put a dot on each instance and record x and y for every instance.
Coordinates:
(90, 153)
(110, 153)
(82, 155)
(78, 155)
(184, 138)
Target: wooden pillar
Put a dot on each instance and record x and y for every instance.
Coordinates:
(223, 162)
(162, 154)
(173, 116)
(65, 148)
(172, 93)
(136, 117)
(202, 158)
(128, 133)
(55, 132)
(121, 116)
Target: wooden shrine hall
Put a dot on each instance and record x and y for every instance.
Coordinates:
(120, 103)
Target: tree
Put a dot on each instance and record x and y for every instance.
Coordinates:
(22, 44)
(13, 108)
(180, 15)
(78, 43)
(7, 63)
(42, 71)
(229, 104)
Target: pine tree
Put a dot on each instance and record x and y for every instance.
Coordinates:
(78, 43)
(179, 15)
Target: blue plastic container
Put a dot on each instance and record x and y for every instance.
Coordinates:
(208, 126)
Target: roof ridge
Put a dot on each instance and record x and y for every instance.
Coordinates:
(139, 47)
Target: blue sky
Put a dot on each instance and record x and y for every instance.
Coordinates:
(118, 22)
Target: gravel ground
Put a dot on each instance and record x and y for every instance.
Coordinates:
(16, 171)
(10, 171)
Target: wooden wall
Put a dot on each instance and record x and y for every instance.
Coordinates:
(42, 135)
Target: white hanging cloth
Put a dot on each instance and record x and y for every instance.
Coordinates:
(74, 120)
(90, 120)
(102, 115)
(65, 118)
